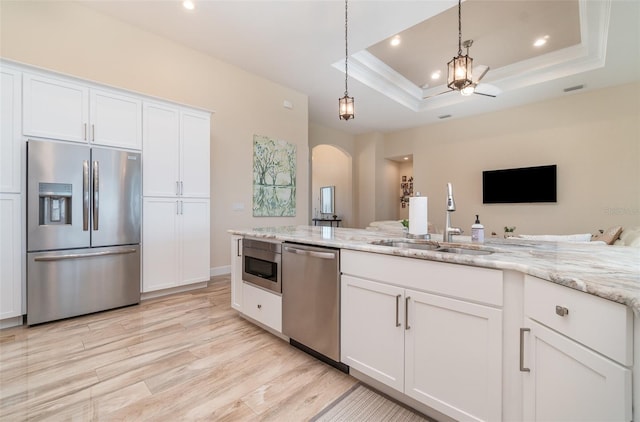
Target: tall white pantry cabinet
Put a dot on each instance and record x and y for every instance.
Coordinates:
(176, 227)
(11, 198)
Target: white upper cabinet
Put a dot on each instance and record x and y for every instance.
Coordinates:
(176, 150)
(194, 154)
(63, 109)
(10, 131)
(115, 120)
(55, 108)
(161, 172)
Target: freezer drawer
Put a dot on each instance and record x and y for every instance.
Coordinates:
(62, 284)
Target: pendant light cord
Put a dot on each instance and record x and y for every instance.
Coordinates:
(346, 49)
(459, 28)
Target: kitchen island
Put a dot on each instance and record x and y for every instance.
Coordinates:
(524, 331)
(610, 272)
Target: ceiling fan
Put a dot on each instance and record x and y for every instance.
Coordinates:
(478, 72)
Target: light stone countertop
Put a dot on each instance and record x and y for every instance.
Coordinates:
(610, 272)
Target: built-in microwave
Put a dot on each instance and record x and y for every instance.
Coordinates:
(262, 264)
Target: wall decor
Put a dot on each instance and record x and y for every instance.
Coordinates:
(274, 177)
(406, 190)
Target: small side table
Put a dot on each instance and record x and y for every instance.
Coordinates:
(329, 220)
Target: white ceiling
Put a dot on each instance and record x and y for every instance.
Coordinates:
(300, 44)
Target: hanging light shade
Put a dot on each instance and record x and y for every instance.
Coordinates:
(346, 107)
(345, 104)
(460, 68)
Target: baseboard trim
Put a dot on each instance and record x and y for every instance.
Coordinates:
(223, 270)
(171, 290)
(11, 322)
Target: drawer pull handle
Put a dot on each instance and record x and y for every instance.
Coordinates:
(259, 306)
(561, 310)
(522, 368)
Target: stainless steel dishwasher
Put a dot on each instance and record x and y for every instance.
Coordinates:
(311, 300)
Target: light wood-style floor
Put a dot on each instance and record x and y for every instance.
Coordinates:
(188, 356)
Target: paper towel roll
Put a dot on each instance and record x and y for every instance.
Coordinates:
(418, 215)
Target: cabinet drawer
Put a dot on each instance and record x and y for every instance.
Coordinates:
(263, 306)
(600, 324)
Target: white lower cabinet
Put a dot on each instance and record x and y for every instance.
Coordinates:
(569, 382)
(262, 306)
(576, 356)
(10, 256)
(236, 272)
(442, 351)
(372, 329)
(175, 239)
(453, 356)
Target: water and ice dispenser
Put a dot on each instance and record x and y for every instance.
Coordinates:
(55, 203)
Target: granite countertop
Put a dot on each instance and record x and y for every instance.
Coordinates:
(610, 272)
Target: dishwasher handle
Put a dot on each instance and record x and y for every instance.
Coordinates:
(313, 254)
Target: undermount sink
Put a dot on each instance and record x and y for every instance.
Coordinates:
(465, 251)
(430, 245)
(408, 244)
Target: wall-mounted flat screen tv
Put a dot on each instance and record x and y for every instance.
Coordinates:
(520, 185)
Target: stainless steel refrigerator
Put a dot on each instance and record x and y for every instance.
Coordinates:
(83, 229)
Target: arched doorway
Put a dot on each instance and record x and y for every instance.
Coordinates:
(332, 166)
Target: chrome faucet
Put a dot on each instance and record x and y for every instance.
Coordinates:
(451, 207)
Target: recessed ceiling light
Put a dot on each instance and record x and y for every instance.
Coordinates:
(188, 4)
(436, 75)
(395, 41)
(540, 41)
(406, 158)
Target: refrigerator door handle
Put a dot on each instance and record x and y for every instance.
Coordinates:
(85, 195)
(96, 194)
(83, 255)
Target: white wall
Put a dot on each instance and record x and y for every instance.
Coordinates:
(70, 38)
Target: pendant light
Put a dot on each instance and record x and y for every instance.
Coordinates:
(345, 104)
(460, 68)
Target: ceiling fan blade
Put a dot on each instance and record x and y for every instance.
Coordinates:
(486, 95)
(488, 90)
(478, 72)
(435, 95)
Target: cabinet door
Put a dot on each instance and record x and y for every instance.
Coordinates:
(54, 108)
(116, 120)
(194, 154)
(195, 233)
(10, 131)
(568, 382)
(454, 356)
(160, 149)
(372, 329)
(236, 272)
(10, 256)
(160, 243)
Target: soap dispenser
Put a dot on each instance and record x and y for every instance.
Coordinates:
(477, 231)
